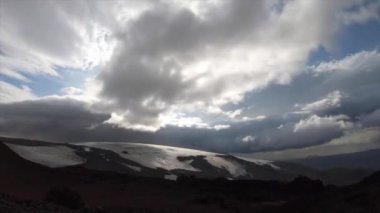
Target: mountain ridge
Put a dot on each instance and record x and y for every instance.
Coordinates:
(169, 162)
(368, 159)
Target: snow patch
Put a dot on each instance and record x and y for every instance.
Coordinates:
(149, 155)
(259, 162)
(51, 156)
(233, 167)
(171, 177)
(87, 149)
(136, 168)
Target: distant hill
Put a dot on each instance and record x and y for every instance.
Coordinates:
(364, 160)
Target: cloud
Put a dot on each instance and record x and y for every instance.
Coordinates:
(348, 111)
(371, 119)
(370, 11)
(173, 59)
(364, 61)
(351, 84)
(64, 119)
(163, 59)
(322, 124)
(71, 91)
(330, 101)
(10, 93)
(294, 132)
(260, 135)
(35, 25)
(38, 37)
(248, 139)
(53, 118)
(351, 141)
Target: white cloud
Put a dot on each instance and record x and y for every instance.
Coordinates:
(221, 126)
(71, 91)
(260, 117)
(330, 101)
(189, 122)
(182, 120)
(10, 93)
(364, 61)
(248, 139)
(316, 123)
(38, 37)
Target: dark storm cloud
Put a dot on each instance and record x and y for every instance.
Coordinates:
(273, 133)
(50, 118)
(68, 120)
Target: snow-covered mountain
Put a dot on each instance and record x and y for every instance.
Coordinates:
(168, 162)
(149, 160)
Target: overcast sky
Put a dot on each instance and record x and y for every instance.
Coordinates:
(284, 78)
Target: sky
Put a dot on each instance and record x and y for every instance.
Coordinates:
(273, 79)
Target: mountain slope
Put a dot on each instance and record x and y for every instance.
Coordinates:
(146, 160)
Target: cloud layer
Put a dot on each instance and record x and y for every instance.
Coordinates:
(172, 59)
(226, 75)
